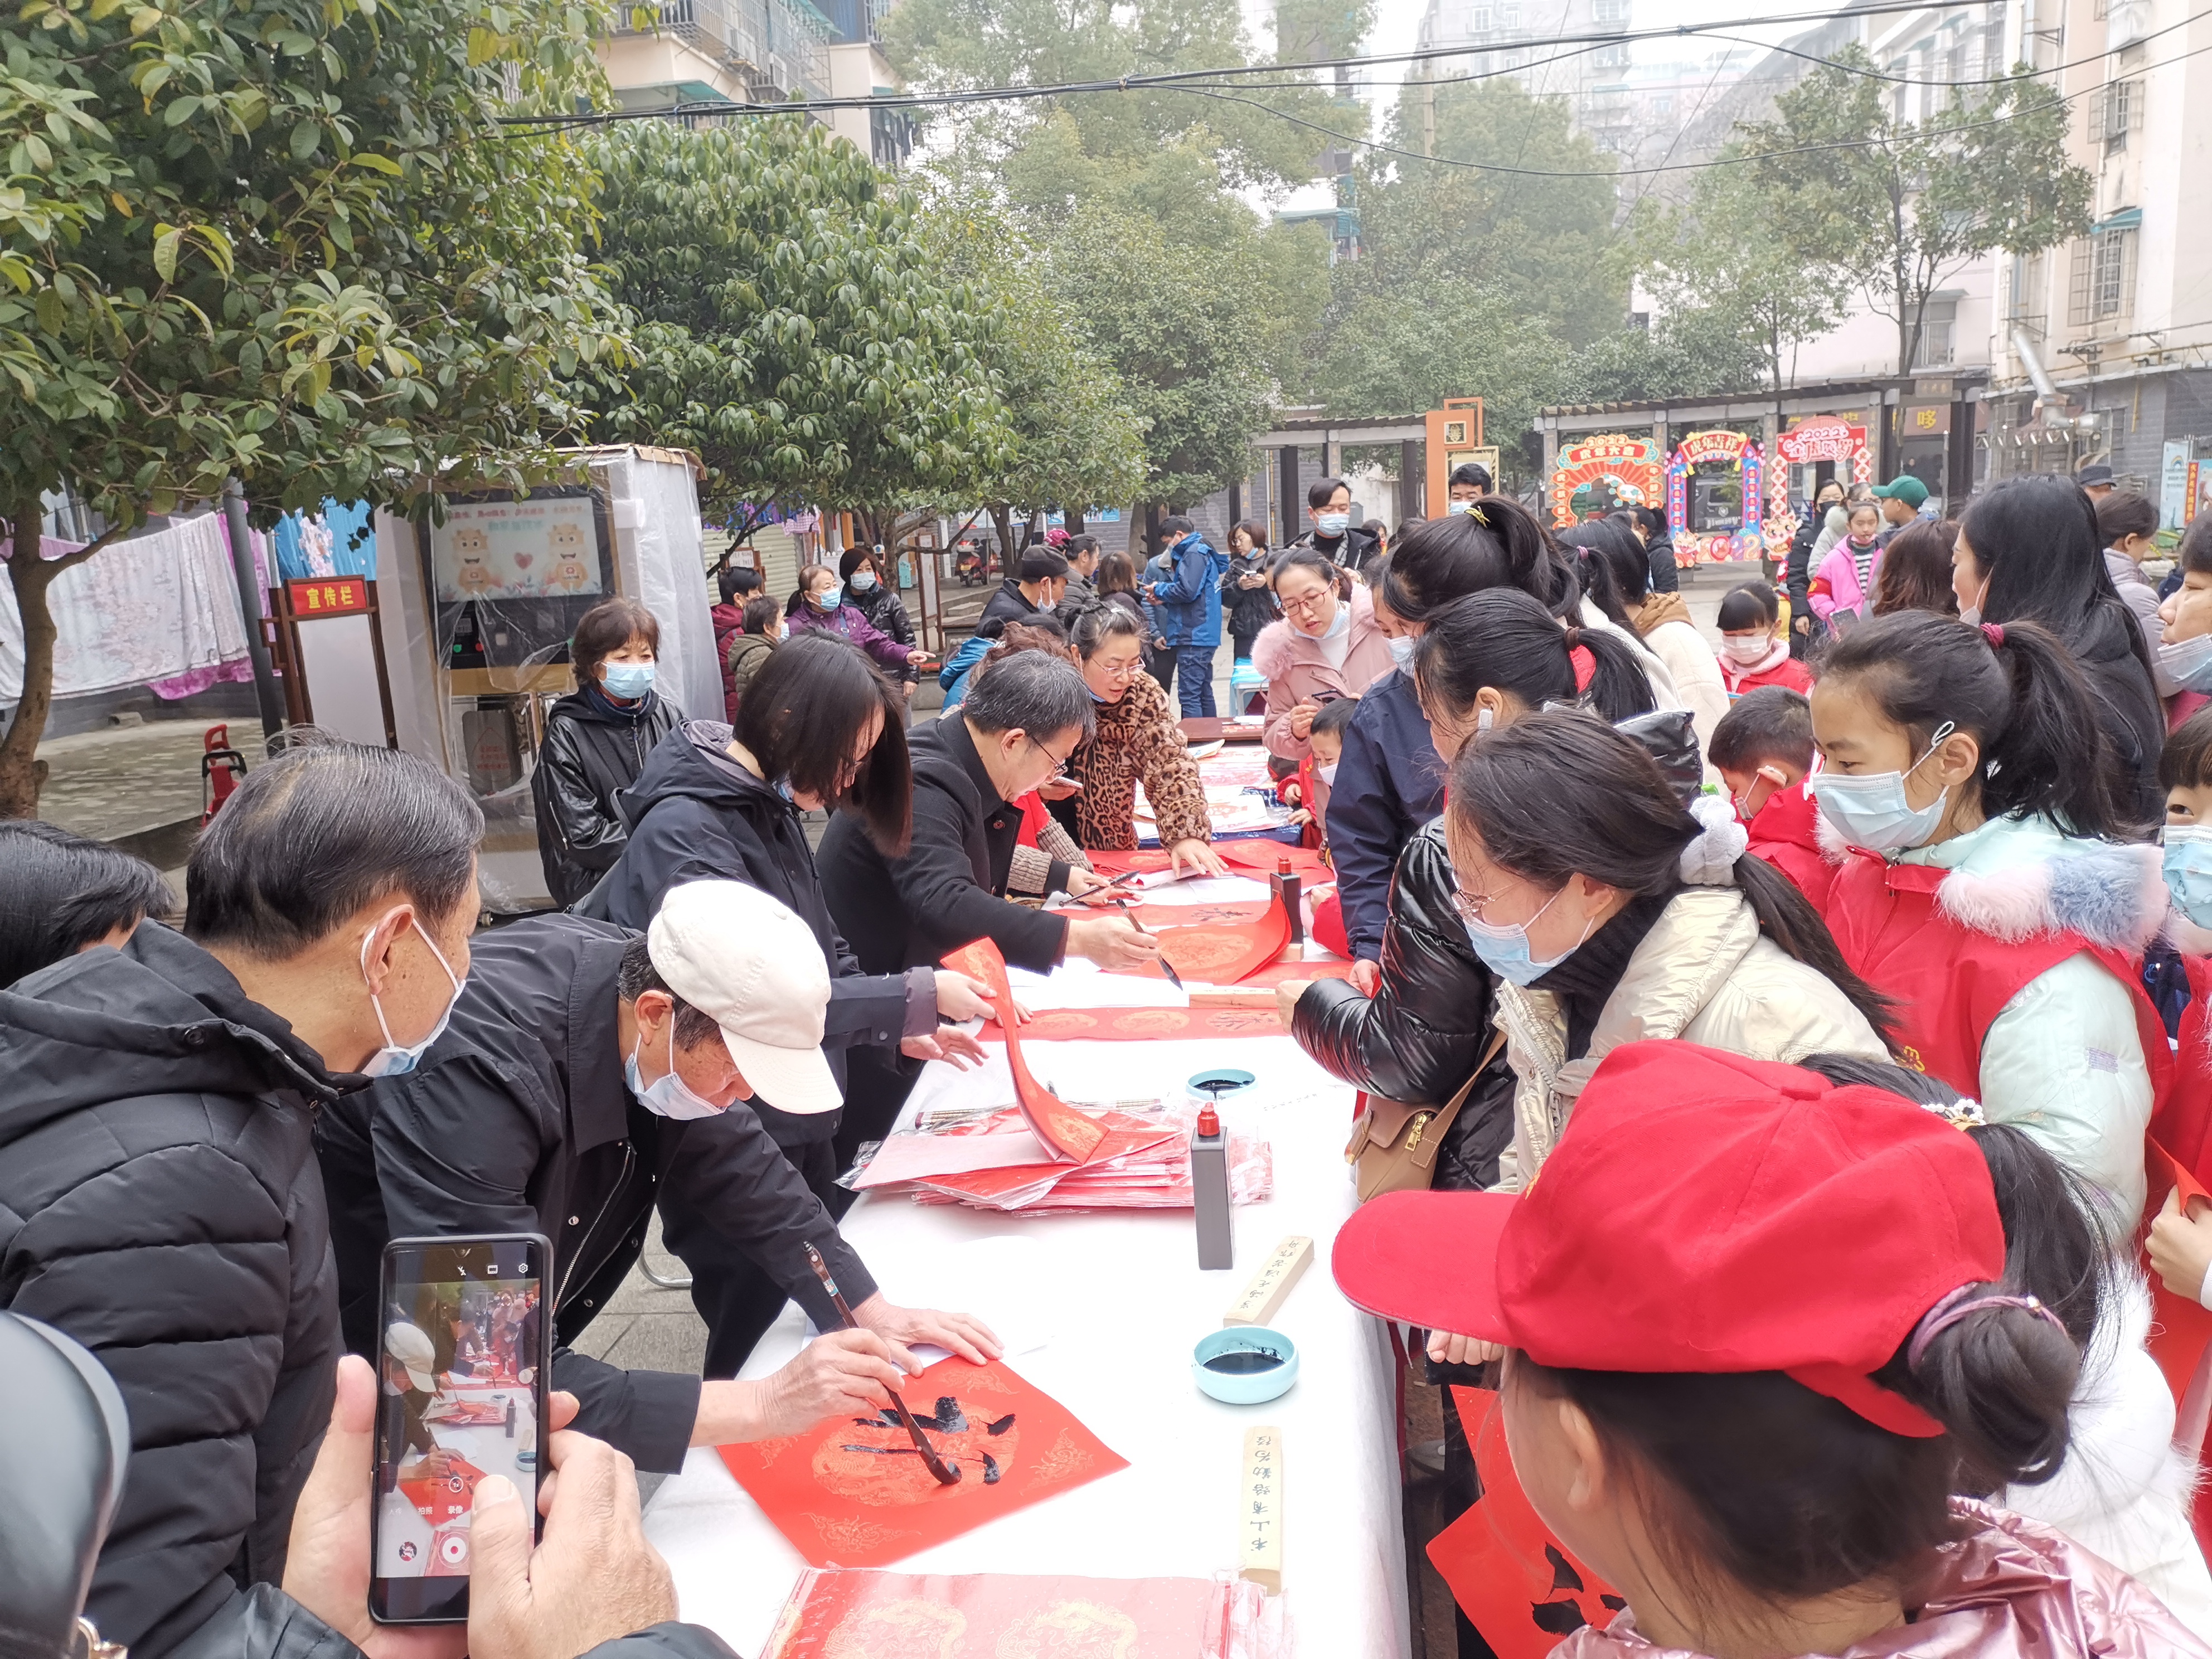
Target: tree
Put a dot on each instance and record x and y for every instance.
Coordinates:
(1397, 351)
(791, 327)
(1904, 205)
(1723, 253)
(1076, 440)
(287, 241)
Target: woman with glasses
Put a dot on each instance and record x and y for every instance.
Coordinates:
(1328, 644)
(1136, 737)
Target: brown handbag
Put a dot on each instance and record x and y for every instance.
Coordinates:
(1394, 1144)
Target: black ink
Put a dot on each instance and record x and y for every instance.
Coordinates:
(1244, 1361)
(1564, 1575)
(1558, 1617)
(990, 1470)
(1001, 1426)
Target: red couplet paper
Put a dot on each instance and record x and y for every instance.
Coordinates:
(852, 1491)
(1249, 858)
(1066, 1133)
(895, 1615)
(1509, 1575)
(1219, 954)
(1164, 912)
(439, 1498)
(1140, 1024)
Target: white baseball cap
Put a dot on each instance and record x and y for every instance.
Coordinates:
(750, 965)
(411, 1346)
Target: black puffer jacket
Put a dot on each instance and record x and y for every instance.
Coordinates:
(696, 815)
(1419, 1038)
(592, 751)
(1250, 609)
(886, 611)
(158, 1202)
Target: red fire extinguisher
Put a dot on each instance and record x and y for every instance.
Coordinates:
(221, 769)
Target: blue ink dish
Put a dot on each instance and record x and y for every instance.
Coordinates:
(1244, 1365)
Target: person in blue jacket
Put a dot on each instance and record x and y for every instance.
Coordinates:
(1192, 595)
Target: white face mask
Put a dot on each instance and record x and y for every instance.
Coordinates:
(2188, 662)
(393, 1059)
(1972, 614)
(1871, 810)
(1327, 774)
(1402, 649)
(1332, 524)
(1746, 649)
(668, 1096)
(1339, 624)
(862, 582)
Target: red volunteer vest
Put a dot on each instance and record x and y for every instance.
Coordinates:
(1950, 982)
(1783, 832)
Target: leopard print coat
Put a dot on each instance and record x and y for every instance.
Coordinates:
(1137, 739)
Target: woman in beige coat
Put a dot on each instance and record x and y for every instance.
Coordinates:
(1611, 915)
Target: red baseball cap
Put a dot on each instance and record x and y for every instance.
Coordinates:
(1703, 1213)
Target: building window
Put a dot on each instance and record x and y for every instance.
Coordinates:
(2103, 277)
(1938, 324)
(1480, 19)
(2115, 111)
(1609, 13)
(1509, 18)
(1610, 58)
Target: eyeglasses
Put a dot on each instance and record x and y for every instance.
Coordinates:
(1311, 602)
(1470, 906)
(1120, 671)
(1058, 762)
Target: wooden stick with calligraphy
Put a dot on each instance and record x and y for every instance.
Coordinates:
(946, 1474)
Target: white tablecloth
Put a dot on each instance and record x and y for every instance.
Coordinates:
(1101, 1311)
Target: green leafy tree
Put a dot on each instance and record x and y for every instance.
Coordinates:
(790, 324)
(1397, 351)
(1723, 254)
(1685, 353)
(286, 240)
(1904, 205)
(1076, 440)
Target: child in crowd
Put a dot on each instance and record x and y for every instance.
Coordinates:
(1987, 884)
(1767, 1462)
(2184, 651)
(1752, 651)
(1307, 788)
(1763, 750)
(1844, 587)
(2181, 1240)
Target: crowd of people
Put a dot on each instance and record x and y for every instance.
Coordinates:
(1812, 1012)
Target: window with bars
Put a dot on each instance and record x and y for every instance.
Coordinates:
(2103, 278)
(2115, 111)
(1610, 14)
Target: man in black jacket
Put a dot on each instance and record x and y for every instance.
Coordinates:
(1025, 716)
(159, 1198)
(1042, 582)
(578, 1089)
(1332, 533)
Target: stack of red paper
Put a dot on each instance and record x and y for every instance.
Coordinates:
(1143, 1163)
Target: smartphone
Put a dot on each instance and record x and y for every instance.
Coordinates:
(463, 1351)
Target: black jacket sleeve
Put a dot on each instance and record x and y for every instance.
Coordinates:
(455, 1149)
(868, 1009)
(944, 908)
(723, 1175)
(1665, 579)
(265, 1623)
(1420, 1036)
(1364, 818)
(593, 836)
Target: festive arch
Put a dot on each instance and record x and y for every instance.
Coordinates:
(1630, 464)
(1723, 448)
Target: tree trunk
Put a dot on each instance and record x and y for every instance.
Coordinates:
(22, 774)
(1002, 520)
(1075, 521)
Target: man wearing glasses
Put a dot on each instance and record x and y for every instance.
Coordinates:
(1026, 714)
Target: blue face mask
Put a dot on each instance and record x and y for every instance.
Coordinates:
(1458, 506)
(1332, 524)
(1871, 810)
(862, 580)
(1402, 649)
(394, 1059)
(1504, 950)
(2187, 865)
(2188, 662)
(666, 1096)
(628, 680)
(829, 598)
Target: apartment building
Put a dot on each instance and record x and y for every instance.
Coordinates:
(1516, 37)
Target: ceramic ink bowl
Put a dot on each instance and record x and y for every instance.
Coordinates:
(1244, 1365)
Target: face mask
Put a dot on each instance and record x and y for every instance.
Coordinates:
(829, 598)
(2188, 662)
(862, 582)
(1340, 624)
(1327, 774)
(1458, 506)
(668, 1096)
(1332, 524)
(1485, 719)
(1746, 649)
(2187, 865)
(1870, 812)
(1972, 614)
(1859, 541)
(627, 679)
(392, 1060)
(1504, 950)
(1401, 650)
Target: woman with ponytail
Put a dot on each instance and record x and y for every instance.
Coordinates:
(1483, 662)
(1609, 911)
(1767, 1361)
(1986, 882)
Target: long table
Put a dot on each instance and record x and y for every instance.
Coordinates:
(1101, 1311)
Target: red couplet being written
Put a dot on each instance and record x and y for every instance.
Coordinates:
(1140, 1024)
(1066, 1133)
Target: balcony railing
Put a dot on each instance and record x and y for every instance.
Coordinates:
(776, 47)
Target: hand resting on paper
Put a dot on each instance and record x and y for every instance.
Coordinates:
(948, 1044)
(1192, 856)
(1286, 999)
(838, 1371)
(2181, 1245)
(962, 1333)
(1449, 1350)
(1081, 881)
(1112, 942)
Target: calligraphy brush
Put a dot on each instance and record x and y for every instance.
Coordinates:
(1166, 967)
(946, 1474)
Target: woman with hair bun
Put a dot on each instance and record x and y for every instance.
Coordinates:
(1987, 884)
(1766, 1358)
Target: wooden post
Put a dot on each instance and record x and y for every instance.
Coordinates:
(1413, 482)
(1287, 459)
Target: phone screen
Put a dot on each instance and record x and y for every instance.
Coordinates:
(463, 1351)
